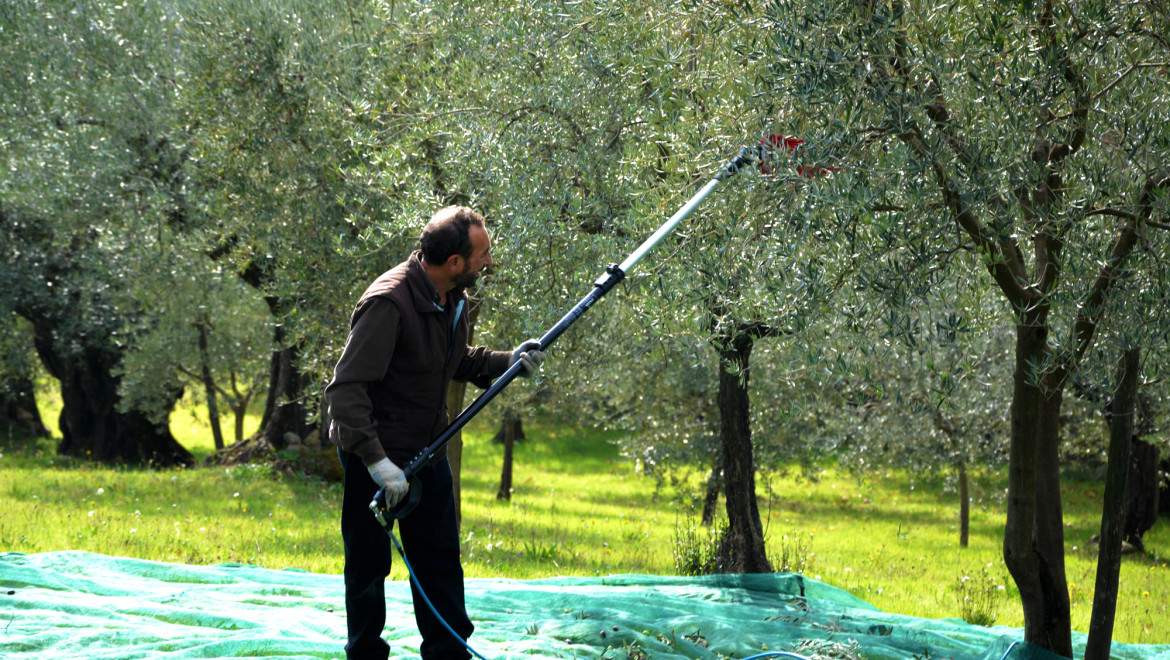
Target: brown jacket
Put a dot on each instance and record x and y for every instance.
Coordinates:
(389, 389)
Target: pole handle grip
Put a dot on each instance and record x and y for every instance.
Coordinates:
(386, 514)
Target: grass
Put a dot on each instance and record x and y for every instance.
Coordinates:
(577, 509)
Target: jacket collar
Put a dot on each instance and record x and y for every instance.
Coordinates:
(426, 294)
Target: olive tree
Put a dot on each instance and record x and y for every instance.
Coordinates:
(923, 391)
(272, 94)
(210, 332)
(1033, 136)
(92, 176)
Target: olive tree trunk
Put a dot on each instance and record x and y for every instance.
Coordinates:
(742, 548)
(1033, 546)
(509, 431)
(455, 394)
(18, 408)
(209, 393)
(711, 496)
(92, 426)
(1142, 493)
(1121, 427)
(964, 505)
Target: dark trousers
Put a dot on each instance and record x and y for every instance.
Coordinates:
(430, 536)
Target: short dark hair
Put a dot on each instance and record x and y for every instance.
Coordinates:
(448, 233)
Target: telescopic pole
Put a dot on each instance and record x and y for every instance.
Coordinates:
(614, 273)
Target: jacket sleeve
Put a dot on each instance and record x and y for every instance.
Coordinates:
(481, 365)
(364, 361)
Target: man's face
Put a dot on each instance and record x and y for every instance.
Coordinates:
(480, 259)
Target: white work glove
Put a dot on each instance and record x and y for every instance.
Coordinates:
(528, 356)
(390, 477)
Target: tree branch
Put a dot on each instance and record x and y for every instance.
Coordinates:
(198, 377)
(1125, 74)
(1091, 310)
(1163, 224)
(62, 124)
(1005, 260)
(1057, 152)
(1002, 262)
(1117, 213)
(1085, 326)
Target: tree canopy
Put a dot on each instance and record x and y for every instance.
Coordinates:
(965, 212)
(1027, 144)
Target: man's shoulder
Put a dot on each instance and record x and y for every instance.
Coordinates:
(387, 282)
(390, 281)
(400, 285)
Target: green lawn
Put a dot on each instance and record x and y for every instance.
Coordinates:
(577, 509)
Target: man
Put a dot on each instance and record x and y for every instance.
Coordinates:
(387, 402)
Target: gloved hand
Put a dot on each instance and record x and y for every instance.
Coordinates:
(390, 477)
(528, 356)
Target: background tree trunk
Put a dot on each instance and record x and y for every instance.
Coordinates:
(711, 497)
(1142, 496)
(85, 360)
(456, 392)
(964, 505)
(18, 408)
(505, 491)
(742, 548)
(1164, 486)
(284, 415)
(91, 424)
(284, 411)
(455, 395)
(511, 424)
(1112, 515)
(1056, 626)
(240, 402)
(209, 384)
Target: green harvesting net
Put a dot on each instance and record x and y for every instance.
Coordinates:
(62, 605)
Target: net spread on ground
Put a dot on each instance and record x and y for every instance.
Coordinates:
(61, 605)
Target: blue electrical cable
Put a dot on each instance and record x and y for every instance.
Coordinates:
(1009, 650)
(413, 578)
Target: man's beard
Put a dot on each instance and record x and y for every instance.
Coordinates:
(466, 279)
